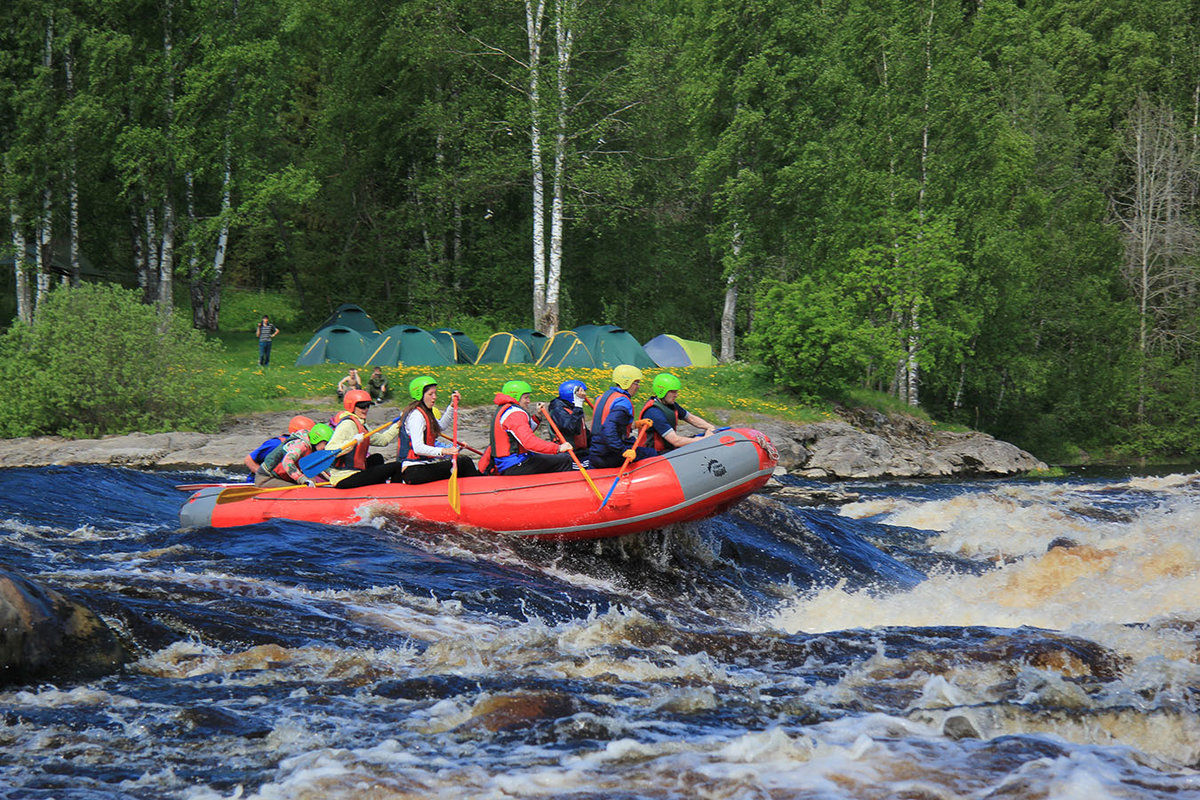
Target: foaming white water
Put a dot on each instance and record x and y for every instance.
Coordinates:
(1117, 572)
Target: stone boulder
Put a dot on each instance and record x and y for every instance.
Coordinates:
(44, 635)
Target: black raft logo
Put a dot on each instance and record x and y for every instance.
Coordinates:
(715, 468)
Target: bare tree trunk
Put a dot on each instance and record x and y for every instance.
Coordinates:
(150, 286)
(166, 264)
(20, 262)
(729, 312)
(45, 226)
(73, 174)
(547, 323)
(534, 16)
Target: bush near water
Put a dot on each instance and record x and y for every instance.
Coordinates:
(98, 361)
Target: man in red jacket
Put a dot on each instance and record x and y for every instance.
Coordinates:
(515, 448)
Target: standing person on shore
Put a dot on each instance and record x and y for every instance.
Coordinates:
(266, 331)
(421, 459)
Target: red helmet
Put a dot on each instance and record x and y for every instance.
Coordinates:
(353, 398)
(297, 424)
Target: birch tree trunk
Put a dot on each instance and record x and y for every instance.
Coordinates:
(166, 264)
(45, 225)
(547, 323)
(534, 19)
(72, 174)
(729, 312)
(20, 262)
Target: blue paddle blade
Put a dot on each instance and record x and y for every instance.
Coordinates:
(318, 461)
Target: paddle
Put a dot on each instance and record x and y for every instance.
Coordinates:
(242, 492)
(452, 493)
(574, 457)
(318, 461)
(461, 444)
(195, 487)
(644, 425)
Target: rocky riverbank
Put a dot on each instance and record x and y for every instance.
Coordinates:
(860, 444)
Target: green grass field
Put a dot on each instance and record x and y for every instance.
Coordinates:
(729, 393)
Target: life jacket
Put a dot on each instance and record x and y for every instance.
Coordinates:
(356, 458)
(405, 450)
(672, 415)
(604, 406)
(501, 442)
(273, 459)
(580, 440)
(265, 449)
(304, 449)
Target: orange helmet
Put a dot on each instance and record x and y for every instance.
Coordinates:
(353, 398)
(297, 424)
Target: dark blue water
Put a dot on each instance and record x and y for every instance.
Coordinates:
(925, 640)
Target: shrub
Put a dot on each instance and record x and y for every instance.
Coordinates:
(97, 361)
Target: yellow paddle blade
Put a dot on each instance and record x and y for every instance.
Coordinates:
(243, 492)
(452, 493)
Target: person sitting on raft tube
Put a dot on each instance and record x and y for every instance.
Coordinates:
(566, 411)
(282, 466)
(296, 425)
(355, 468)
(665, 414)
(612, 422)
(421, 459)
(513, 448)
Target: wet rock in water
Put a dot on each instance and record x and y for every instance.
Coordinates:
(45, 635)
(959, 727)
(1062, 541)
(213, 720)
(510, 712)
(803, 496)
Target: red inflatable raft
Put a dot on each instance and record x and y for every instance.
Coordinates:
(696, 481)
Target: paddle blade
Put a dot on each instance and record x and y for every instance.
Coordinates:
(318, 461)
(455, 499)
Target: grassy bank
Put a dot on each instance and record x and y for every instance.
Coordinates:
(736, 391)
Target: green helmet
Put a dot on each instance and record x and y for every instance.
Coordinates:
(666, 382)
(319, 433)
(515, 389)
(418, 385)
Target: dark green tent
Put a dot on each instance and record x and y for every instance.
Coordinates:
(405, 345)
(504, 348)
(349, 315)
(610, 346)
(565, 349)
(335, 343)
(534, 340)
(458, 345)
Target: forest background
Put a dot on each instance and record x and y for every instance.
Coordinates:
(984, 207)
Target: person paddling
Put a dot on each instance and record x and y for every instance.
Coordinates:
(514, 448)
(665, 414)
(355, 468)
(282, 466)
(566, 411)
(612, 422)
(421, 459)
(297, 424)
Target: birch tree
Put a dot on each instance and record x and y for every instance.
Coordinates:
(1161, 237)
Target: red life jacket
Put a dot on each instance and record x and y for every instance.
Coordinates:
(604, 406)
(672, 414)
(501, 442)
(356, 458)
(405, 451)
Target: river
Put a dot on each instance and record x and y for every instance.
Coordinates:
(925, 641)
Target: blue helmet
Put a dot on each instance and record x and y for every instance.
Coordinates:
(566, 390)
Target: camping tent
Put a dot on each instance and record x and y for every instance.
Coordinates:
(671, 351)
(407, 345)
(504, 348)
(349, 315)
(458, 345)
(566, 349)
(534, 340)
(336, 343)
(610, 345)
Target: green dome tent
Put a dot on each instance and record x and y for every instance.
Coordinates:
(349, 315)
(671, 351)
(564, 350)
(406, 345)
(457, 345)
(335, 343)
(534, 340)
(610, 345)
(504, 348)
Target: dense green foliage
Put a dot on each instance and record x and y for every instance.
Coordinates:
(918, 198)
(97, 361)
